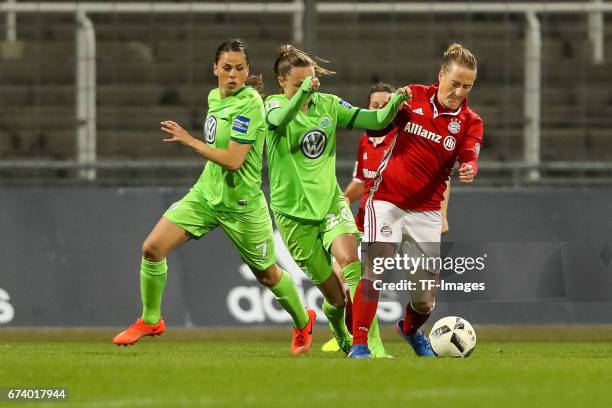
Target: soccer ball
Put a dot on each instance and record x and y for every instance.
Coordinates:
(452, 336)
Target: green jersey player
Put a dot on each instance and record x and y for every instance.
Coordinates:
(309, 208)
(227, 195)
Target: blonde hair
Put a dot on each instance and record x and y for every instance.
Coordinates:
(289, 56)
(460, 55)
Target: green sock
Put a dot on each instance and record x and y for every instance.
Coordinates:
(336, 320)
(352, 274)
(287, 295)
(152, 283)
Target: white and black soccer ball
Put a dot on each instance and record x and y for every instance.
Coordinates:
(452, 336)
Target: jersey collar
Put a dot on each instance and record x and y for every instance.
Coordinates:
(240, 90)
(375, 143)
(385, 138)
(438, 109)
(313, 101)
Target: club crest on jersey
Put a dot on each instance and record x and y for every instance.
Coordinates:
(449, 143)
(210, 130)
(325, 122)
(313, 143)
(241, 124)
(454, 126)
(386, 231)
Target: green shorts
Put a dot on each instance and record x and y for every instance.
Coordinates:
(309, 242)
(250, 232)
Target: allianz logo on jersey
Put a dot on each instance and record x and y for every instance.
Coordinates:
(449, 142)
(254, 303)
(369, 174)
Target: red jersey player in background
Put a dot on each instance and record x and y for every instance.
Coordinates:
(403, 208)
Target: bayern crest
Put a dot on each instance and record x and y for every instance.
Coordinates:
(454, 126)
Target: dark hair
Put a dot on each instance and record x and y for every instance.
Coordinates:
(289, 56)
(379, 87)
(237, 45)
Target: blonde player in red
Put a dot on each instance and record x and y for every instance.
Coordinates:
(403, 209)
(373, 145)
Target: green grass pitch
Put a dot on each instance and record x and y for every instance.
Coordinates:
(563, 367)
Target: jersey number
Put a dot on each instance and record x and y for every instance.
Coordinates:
(263, 247)
(332, 221)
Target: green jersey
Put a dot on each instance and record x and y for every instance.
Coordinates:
(239, 117)
(302, 156)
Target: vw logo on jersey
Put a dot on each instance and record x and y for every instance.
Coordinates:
(210, 130)
(313, 143)
(449, 143)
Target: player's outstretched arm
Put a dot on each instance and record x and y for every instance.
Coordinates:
(282, 116)
(380, 118)
(231, 158)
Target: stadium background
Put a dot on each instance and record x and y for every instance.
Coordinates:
(71, 226)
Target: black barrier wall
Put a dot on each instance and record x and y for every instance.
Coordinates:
(70, 257)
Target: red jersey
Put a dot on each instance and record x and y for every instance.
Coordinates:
(431, 139)
(369, 155)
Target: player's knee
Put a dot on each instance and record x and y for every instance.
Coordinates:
(268, 277)
(424, 307)
(346, 258)
(151, 251)
(265, 280)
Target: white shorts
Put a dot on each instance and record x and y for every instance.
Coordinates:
(418, 232)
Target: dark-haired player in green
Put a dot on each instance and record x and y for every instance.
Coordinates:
(227, 195)
(309, 208)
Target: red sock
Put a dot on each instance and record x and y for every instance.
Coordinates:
(413, 320)
(348, 312)
(365, 304)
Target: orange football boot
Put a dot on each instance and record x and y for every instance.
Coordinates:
(302, 338)
(138, 330)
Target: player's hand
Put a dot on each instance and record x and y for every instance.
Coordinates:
(310, 84)
(444, 226)
(314, 84)
(407, 92)
(178, 134)
(466, 173)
